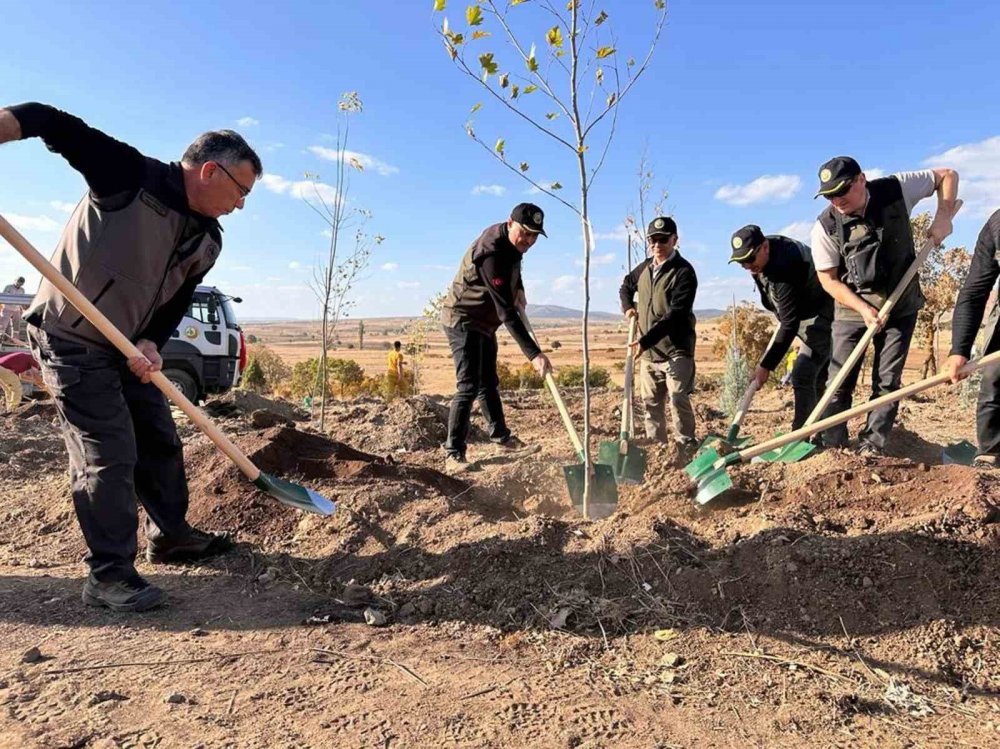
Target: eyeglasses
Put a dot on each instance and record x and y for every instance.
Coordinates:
(660, 239)
(747, 261)
(244, 191)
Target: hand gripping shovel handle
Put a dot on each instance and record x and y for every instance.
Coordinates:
(831, 421)
(626, 428)
(862, 345)
(123, 344)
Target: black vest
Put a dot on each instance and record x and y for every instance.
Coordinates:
(791, 262)
(875, 249)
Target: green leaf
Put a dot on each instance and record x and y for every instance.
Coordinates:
(486, 62)
(559, 53)
(551, 115)
(555, 186)
(474, 15)
(530, 89)
(600, 75)
(514, 91)
(601, 18)
(612, 99)
(660, 4)
(603, 52)
(524, 166)
(499, 146)
(476, 108)
(531, 62)
(554, 37)
(439, 4)
(517, 2)
(630, 62)
(504, 80)
(480, 34)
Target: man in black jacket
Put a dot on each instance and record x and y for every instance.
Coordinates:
(137, 245)
(965, 322)
(488, 292)
(660, 292)
(782, 269)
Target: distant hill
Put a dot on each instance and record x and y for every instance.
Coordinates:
(708, 314)
(553, 311)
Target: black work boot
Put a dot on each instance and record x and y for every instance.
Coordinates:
(131, 594)
(192, 546)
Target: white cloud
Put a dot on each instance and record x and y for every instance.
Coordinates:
(247, 122)
(800, 230)
(295, 265)
(536, 190)
(605, 259)
(768, 188)
(365, 160)
(390, 266)
(33, 223)
(567, 282)
(60, 205)
(496, 190)
(303, 189)
(874, 173)
(328, 233)
(408, 284)
(618, 234)
(978, 165)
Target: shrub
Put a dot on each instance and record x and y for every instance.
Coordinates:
(573, 376)
(528, 378)
(253, 378)
(509, 379)
(555, 345)
(272, 366)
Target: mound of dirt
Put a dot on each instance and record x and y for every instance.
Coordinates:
(243, 403)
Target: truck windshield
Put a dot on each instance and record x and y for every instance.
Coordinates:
(227, 309)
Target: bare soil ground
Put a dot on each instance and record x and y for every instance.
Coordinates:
(839, 601)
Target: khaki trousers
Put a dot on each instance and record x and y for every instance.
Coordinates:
(11, 385)
(674, 380)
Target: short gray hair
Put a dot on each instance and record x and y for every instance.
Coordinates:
(224, 146)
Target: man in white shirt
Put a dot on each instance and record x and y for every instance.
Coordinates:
(862, 245)
(10, 314)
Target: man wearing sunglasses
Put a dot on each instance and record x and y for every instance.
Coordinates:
(137, 245)
(862, 245)
(782, 269)
(660, 293)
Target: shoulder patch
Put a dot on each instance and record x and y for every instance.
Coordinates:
(498, 282)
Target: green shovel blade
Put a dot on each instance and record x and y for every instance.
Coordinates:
(793, 452)
(609, 454)
(701, 464)
(712, 484)
(294, 495)
(603, 489)
(633, 466)
(961, 453)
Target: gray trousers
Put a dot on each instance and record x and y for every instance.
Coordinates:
(122, 445)
(810, 368)
(891, 345)
(673, 379)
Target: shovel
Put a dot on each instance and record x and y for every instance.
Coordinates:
(286, 492)
(709, 470)
(603, 489)
(798, 451)
(627, 460)
(961, 453)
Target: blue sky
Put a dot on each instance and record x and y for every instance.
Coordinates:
(740, 105)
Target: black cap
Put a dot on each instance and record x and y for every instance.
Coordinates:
(835, 176)
(529, 216)
(745, 243)
(661, 225)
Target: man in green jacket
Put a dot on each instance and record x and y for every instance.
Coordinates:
(660, 292)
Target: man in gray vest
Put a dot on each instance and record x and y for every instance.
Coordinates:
(782, 269)
(488, 292)
(862, 245)
(137, 245)
(660, 292)
(965, 321)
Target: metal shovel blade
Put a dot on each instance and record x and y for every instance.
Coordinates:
(294, 495)
(626, 459)
(603, 489)
(790, 453)
(961, 453)
(701, 464)
(712, 484)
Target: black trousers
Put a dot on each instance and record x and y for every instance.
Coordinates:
(810, 368)
(891, 345)
(475, 357)
(122, 445)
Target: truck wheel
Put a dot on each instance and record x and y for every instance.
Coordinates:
(184, 382)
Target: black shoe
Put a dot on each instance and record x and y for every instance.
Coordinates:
(868, 450)
(455, 463)
(985, 462)
(130, 594)
(191, 547)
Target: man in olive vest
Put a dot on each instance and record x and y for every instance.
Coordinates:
(660, 292)
(782, 269)
(488, 292)
(862, 245)
(137, 245)
(965, 322)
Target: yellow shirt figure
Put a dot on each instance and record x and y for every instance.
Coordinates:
(394, 373)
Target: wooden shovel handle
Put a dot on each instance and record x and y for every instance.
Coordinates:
(744, 405)
(123, 344)
(830, 421)
(626, 427)
(862, 345)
